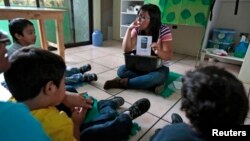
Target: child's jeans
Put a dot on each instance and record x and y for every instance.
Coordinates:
(74, 79)
(108, 126)
(73, 76)
(138, 80)
(72, 71)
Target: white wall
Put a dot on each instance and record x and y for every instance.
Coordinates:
(187, 39)
(106, 17)
(116, 19)
(97, 14)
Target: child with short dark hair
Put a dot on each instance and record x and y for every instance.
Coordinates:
(23, 34)
(36, 78)
(212, 97)
(11, 128)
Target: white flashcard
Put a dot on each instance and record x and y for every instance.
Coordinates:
(143, 45)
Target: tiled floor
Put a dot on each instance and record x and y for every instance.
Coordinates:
(105, 62)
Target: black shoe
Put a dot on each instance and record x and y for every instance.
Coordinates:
(119, 101)
(88, 77)
(140, 107)
(176, 118)
(85, 68)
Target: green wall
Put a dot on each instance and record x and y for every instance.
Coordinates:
(183, 12)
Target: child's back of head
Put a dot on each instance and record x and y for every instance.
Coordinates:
(31, 69)
(22, 31)
(212, 97)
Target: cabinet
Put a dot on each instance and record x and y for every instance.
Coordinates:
(224, 17)
(128, 13)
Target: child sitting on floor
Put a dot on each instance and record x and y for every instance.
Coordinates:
(36, 79)
(23, 34)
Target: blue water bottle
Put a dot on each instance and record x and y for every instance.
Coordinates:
(97, 38)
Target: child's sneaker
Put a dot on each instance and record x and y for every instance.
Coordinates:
(119, 101)
(176, 118)
(140, 107)
(85, 68)
(88, 77)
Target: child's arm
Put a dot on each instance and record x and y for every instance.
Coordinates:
(78, 115)
(77, 100)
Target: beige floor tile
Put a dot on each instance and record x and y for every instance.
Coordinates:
(181, 68)
(158, 125)
(176, 109)
(73, 59)
(93, 91)
(74, 50)
(92, 54)
(159, 105)
(191, 61)
(207, 63)
(102, 78)
(110, 61)
(111, 49)
(95, 68)
(177, 57)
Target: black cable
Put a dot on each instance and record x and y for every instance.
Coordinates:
(236, 7)
(211, 10)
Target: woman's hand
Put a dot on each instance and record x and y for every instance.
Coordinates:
(134, 24)
(77, 100)
(163, 49)
(156, 46)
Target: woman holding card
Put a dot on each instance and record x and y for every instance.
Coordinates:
(147, 23)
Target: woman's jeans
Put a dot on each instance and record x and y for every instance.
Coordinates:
(140, 80)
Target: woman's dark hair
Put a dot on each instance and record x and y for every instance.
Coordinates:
(155, 20)
(213, 97)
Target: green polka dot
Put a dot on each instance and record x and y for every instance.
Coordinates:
(170, 16)
(185, 14)
(206, 2)
(176, 1)
(199, 18)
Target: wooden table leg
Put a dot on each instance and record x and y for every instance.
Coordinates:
(41, 28)
(59, 38)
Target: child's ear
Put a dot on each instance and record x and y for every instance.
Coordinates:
(18, 36)
(49, 88)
